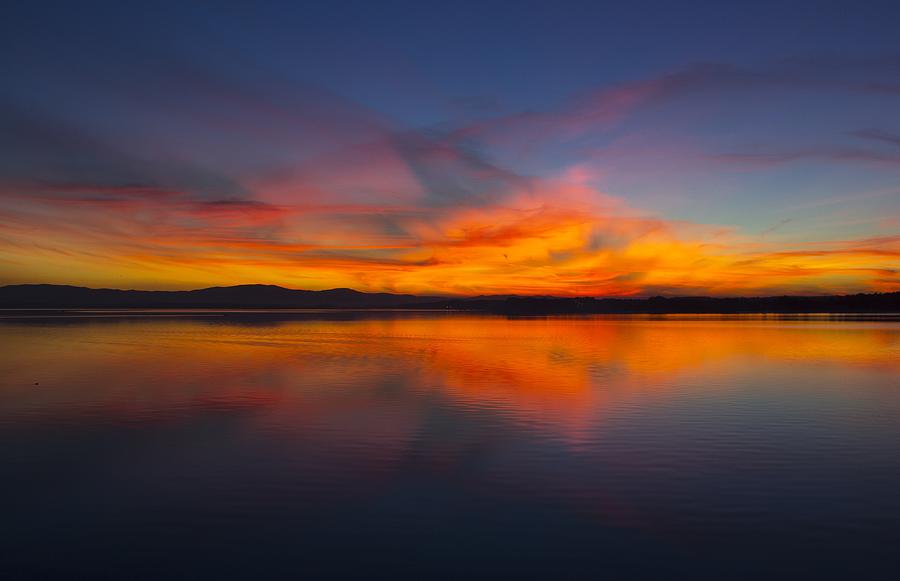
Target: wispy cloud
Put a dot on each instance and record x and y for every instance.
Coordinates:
(879, 136)
(303, 187)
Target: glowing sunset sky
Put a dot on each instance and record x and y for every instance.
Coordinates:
(453, 148)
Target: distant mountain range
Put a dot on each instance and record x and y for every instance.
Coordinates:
(254, 296)
(260, 296)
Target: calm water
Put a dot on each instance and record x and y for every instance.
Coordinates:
(427, 446)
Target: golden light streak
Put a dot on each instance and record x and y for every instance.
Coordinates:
(563, 240)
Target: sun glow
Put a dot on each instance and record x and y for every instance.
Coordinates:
(558, 238)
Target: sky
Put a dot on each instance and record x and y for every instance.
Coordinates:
(453, 148)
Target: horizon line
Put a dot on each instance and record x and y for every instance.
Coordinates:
(452, 296)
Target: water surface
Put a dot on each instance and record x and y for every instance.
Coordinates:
(448, 446)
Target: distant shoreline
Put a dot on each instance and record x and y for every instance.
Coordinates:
(265, 297)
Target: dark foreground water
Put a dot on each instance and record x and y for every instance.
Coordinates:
(429, 446)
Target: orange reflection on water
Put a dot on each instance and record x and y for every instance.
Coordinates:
(372, 400)
(559, 370)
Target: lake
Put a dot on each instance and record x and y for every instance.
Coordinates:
(429, 445)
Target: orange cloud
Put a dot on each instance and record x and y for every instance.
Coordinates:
(547, 237)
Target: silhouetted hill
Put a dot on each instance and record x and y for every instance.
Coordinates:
(45, 296)
(37, 296)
